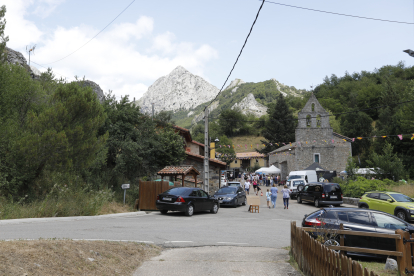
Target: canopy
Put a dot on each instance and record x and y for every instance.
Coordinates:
(270, 170)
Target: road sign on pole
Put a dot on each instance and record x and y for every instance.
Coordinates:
(125, 187)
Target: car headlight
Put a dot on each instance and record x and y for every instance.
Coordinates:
(410, 206)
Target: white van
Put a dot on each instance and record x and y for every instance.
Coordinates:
(297, 178)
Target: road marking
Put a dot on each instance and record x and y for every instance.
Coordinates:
(233, 242)
(177, 241)
(68, 239)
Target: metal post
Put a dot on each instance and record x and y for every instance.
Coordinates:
(206, 152)
(124, 195)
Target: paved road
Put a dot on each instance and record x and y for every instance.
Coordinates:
(230, 226)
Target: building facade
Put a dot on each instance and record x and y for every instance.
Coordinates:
(315, 142)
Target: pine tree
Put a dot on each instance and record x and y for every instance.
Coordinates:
(280, 128)
(3, 39)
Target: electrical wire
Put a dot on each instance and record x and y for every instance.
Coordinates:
(92, 37)
(234, 65)
(48, 68)
(348, 112)
(342, 14)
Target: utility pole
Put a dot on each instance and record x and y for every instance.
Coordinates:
(30, 49)
(206, 152)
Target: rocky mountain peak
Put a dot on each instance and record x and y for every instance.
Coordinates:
(249, 105)
(179, 90)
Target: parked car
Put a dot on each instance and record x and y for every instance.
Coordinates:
(293, 186)
(231, 195)
(355, 219)
(188, 200)
(393, 203)
(307, 176)
(320, 193)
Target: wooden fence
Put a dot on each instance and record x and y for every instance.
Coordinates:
(148, 191)
(313, 258)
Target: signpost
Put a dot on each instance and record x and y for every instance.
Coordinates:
(125, 187)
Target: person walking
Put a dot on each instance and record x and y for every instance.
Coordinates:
(286, 195)
(255, 186)
(268, 195)
(273, 197)
(247, 186)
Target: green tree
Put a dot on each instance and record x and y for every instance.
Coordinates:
(226, 153)
(231, 121)
(280, 128)
(351, 168)
(3, 39)
(388, 164)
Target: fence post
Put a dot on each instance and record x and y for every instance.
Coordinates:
(407, 255)
(401, 248)
(341, 239)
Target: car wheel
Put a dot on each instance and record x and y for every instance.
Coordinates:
(401, 215)
(190, 210)
(299, 199)
(363, 206)
(245, 201)
(215, 208)
(164, 212)
(317, 203)
(332, 242)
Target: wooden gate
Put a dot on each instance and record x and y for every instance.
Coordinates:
(148, 191)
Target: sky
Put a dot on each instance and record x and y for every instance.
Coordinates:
(149, 39)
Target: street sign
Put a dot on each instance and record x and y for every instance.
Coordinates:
(125, 186)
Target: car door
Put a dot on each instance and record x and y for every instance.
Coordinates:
(374, 201)
(385, 205)
(357, 221)
(195, 199)
(240, 195)
(206, 202)
(308, 193)
(386, 224)
(317, 192)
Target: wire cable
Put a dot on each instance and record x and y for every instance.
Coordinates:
(92, 37)
(342, 14)
(234, 65)
(48, 68)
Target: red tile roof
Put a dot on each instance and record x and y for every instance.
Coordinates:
(202, 157)
(172, 170)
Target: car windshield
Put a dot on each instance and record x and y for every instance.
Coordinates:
(295, 177)
(401, 198)
(298, 182)
(176, 191)
(227, 190)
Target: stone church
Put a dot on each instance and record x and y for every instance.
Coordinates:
(315, 143)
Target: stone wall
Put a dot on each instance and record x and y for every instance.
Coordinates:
(285, 161)
(214, 174)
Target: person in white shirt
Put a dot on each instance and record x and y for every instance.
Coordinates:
(247, 186)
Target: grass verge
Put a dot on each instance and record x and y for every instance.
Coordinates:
(378, 268)
(253, 141)
(68, 257)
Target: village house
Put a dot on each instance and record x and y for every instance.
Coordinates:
(315, 143)
(247, 160)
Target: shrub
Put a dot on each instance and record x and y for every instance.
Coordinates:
(361, 185)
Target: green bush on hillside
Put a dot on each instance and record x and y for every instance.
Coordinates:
(361, 185)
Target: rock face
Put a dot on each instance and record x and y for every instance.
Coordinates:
(96, 88)
(235, 83)
(288, 90)
(177, 91)
(15, 57)
(200, 116)
(249, 105)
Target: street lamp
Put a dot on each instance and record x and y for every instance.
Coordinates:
(213, 148)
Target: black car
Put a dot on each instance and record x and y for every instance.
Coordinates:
(320, 193)
(188, 200)
(231, 195)
(356, 219)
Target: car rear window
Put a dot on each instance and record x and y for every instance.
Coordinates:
(177, 191)
(328, 214)
(298, 182)
(332, 188)
(227, 190)
(315, 214)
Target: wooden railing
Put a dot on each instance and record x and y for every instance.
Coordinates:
(314, 258)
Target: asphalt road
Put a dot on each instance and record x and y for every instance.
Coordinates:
(270, 228)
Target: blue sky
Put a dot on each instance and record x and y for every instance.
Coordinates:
(296, 47)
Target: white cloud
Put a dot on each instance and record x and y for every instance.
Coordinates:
(45, 7)
(115, 59)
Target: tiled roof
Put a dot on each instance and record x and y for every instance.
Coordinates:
(202, 157)
(171, 170)
(197, 143)
(251, 154)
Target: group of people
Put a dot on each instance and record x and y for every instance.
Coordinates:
(271, 196)
(261, 179)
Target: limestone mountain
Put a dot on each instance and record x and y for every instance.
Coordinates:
(249, 105)
(179, 90)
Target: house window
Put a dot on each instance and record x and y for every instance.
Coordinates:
(235, 161)
(257, 160)
(308, 121)
(316, 158)
(318, 121)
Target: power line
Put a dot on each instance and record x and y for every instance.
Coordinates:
(92, 37)
(234, 65)
(342, 14)
(48, 68)
(348, 112)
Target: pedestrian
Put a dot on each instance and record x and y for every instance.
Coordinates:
(273, 197)
(255, 186)
(268, 180)
(247, 186)
(278, 179)
(286, 195)
(268, 195)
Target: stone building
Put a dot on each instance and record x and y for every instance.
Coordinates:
(315, 142)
